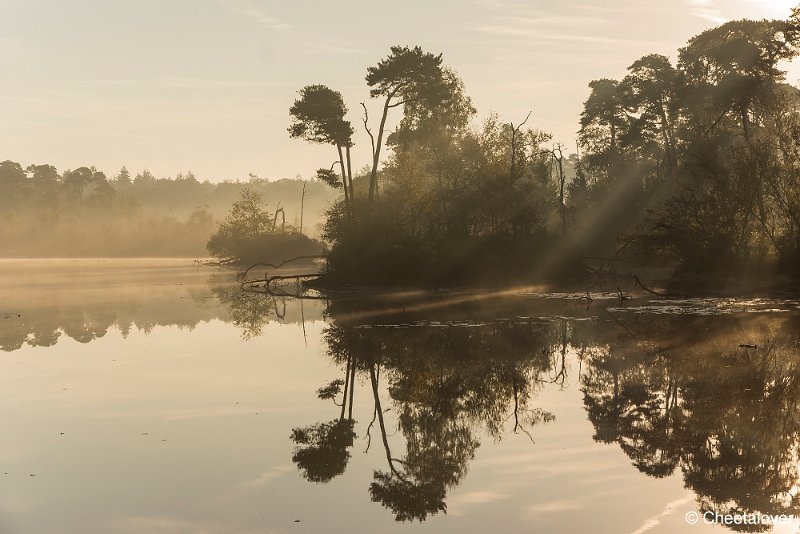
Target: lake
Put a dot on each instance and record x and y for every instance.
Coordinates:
(155, 396)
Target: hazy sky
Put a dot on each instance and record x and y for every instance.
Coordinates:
(205, 85)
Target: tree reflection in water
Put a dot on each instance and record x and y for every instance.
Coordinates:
(446, 384)
(725, 415)
(248, 312)
(675, 393)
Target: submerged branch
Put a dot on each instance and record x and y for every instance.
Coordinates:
(278, 266)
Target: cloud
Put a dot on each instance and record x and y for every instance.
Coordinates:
(253, 10)
(555, 29)
(553, 21)
(706, 9)
(328, 48)
(553, 36)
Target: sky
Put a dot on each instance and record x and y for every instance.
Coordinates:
(205, 85)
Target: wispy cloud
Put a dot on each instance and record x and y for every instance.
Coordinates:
(500, 4)
(579, 25)
(256, 11)
(707, 10)
(553, 21)
(329, 48)
(177, 82)
(515, 30)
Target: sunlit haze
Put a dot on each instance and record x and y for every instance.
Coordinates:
(205, 85)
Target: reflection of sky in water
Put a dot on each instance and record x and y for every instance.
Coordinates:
(183, 424)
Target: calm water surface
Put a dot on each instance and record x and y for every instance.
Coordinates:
(151, 396)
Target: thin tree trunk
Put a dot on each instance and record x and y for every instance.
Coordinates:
(349, 173)
(513, 151)
(669, 147)
(373, 179)
(344, 175)
(302, 206)
(562, 183)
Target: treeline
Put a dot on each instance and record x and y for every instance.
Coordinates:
(82, 212)
(693, 165)
(698, 161)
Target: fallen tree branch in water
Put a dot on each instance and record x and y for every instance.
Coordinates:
(656, 293)
(651, 291)
(297, 277)
(215, 263)
(248, 285)
(281, 264)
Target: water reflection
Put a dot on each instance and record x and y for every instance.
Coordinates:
(47, 305)
(711, 398)
(674, 393)
(446, 386)
(448, 382)
(725, 415)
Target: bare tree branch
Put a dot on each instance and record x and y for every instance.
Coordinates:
(365, 120)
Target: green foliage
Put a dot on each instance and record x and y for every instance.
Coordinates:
(13, 183)
(425, 119)
(450, 213)
(329, 177)
(458, 204)
(408, 74)
(318, 117)
(702, 154)
(250, 234)
(331, 390)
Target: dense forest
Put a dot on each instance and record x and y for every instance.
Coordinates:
(84, 213)
(691, 164)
